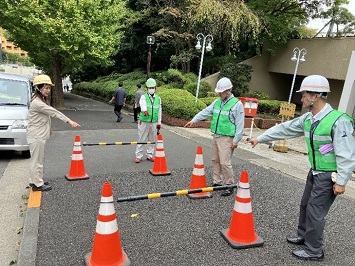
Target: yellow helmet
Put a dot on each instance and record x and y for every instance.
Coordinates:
(42, 79)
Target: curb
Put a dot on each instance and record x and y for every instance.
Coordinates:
(28, 246)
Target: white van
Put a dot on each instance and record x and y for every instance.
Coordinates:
(15, 95)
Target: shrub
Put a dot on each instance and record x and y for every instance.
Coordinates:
(190, 77)
(269, 106)
(212, 94)
(208, 100)
(203, 90)
(176, 76)
(240, 75)
(261, 95)
(180, 103)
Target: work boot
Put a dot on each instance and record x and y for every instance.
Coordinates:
(44, 183)
(42, 188)
(150, 159)
(227, 192)
(138, 160)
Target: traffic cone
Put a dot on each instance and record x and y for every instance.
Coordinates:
(107, 249)
(198, 178)
(160, 167)
(77, 167)
(241, 232)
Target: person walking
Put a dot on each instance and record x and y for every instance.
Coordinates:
(331, 154)
(119, 96)
(227, 126)
(39, 130)
(137, 107)
(149, 120)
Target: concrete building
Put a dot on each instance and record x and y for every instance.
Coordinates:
(10, 47)
(333, 58)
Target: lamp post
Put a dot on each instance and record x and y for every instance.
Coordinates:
(150, 41)
(198, 46)
(298, 56)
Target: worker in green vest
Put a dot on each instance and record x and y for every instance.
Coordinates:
(149, 121)
(331, 154)
(227, 127)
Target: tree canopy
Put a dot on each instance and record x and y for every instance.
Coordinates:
(64, 35)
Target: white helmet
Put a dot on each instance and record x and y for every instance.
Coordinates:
(315, 83)
(223, 84)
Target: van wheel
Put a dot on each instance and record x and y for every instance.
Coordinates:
(26, 154)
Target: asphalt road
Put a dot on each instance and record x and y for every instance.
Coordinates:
(169, 231)
(175, 230)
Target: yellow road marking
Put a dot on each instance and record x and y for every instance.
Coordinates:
(34, 199)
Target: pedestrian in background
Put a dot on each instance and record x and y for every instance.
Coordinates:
(331, 154)
(227, 126)
(149, 121)
(137, 107)
(39, 129)
(119, 96)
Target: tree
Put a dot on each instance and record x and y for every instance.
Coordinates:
(228, 21)
(338, 17)
(280, 21)
(63, 35)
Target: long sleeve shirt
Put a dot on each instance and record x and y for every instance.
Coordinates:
(39, 123)
(236, 115)
(143, 105)
(343, 141)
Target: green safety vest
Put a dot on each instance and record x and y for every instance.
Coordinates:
(221, 123)
(152, 108)
(320, 135)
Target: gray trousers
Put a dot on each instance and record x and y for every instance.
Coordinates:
(37, 147)
(222, 160)
(146, 132)
(317, 198)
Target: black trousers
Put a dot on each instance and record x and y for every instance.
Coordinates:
(136, 112)
(118, 110)
(317, 198)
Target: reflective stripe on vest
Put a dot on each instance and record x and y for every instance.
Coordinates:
(152, 108)
(318, 136)
(221, 123)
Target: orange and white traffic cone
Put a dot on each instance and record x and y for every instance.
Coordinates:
(107, 249)
(77, 167)
(241, 232)
(160, 167)
(198, 178)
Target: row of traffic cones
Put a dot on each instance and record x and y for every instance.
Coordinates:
(77, 166)
(107, 249)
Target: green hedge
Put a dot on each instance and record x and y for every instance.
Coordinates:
(269, 106)
(180, 103)
(208, 100)
(204, 89)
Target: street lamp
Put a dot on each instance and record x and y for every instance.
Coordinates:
(150, 41)
(298, 56)
(208, 48)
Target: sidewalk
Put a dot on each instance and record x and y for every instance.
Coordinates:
(294, 162)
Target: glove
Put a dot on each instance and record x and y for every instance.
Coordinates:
(158, 127)
(146, 113)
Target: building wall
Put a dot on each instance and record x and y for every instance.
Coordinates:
(325, 56)
(328, 57)
(347, 100)
(10, 47)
